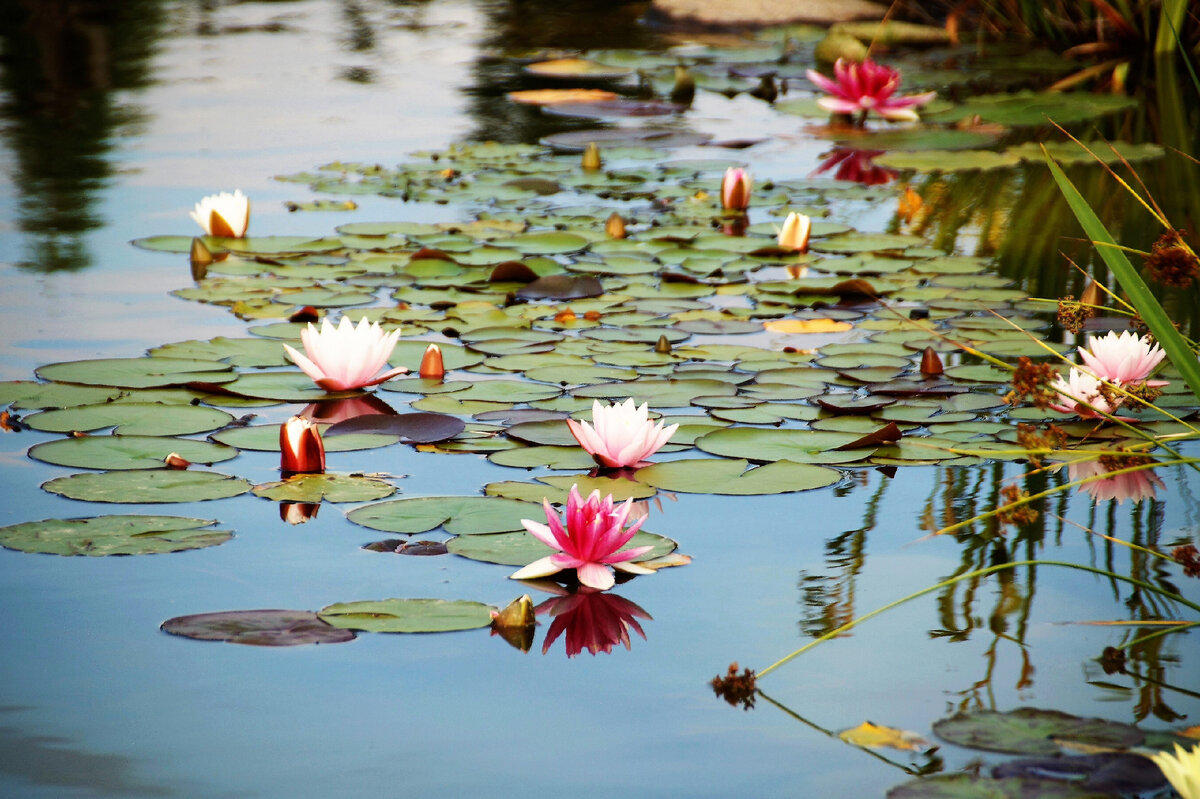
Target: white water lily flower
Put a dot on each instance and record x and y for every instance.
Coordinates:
(620, 434)
(346, 357)
(224, 214)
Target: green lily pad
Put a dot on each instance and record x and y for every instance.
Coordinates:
(167, 485)
(866, 242)
(520, 549)
(407, 615)
(1036, 108)
(265, 438)
(722, 476)
(134, 418)
(113, 535)
(28, 394)
(1032, 731)
(456, 515)
(550, 457)
(258, 628)
(325, 487)
(947, 160)
(799, 446)
(244, 352)
(658, 393)
(137, 372)
(127, 452)
(282, 386)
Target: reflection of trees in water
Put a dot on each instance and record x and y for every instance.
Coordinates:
(532, 28)
(65, 60)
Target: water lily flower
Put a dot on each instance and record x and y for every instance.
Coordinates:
(298, 512)
(300, 446)
(346, 357)
(620, 434)
(1080, 387)
(1181, 769)
(591, 620)
(866, 87)
(589, 542)
(735, 190)
(224, 214)
(432, 367)
(794, 234)
(1123, 358)
(1135, 486)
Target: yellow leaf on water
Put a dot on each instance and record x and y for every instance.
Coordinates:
(876, 735)
(1190, 732)
(553, 96)
(806, 326)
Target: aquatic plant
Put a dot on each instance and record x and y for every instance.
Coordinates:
(1122, 358)
(794, 233)
(589, 541)
(432, 367)
(1104, 482)
(591, 620)
(346, 357)
(620, 434)
(1182, 769)
(735, 190)
(867, 87)
(224, 214)
(300, 446)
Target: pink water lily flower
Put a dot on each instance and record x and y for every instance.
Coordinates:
(620, 434)
(224, 214)
(865, 87)
(1080, 387)
(1122, 358)
(735, 189)
(1136, 486)
(589, 542)
(346, 357)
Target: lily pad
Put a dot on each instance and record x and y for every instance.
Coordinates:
(28, 394)
(167, 485)
(127, 452)
(113, 535)
(1032, 731)
(966, 786)
(134, 418)
(799, 446)
(265, 438)
(137, 372)
(408, 615)
(417, 428)
(325, 487)
(456, 515)
(723, 476)
(258, 628)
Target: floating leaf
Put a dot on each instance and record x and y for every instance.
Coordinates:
(948, 160)
(168, 485)
(137, 372)
(408, 615)
(966, 786)
(800, 446)
(1031, 731)
(575, 68)
(551, 96)
(325, 487)
(418, 428)
(456, 515)
(27, 394)
(877, 735)
(127, 452)
(806, 326)
(265, 438)
(133, 418)
(113, 535)
(1105, 772)
(722, 476)
(258, 627)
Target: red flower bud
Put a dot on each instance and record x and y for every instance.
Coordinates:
(431, 364)
(300, 446)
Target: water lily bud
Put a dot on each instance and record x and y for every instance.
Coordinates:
(200, 256)
(591, 157)
(176, 461)
(735, 190)
(1091, 294)
(432, 367)
(931, 363)
(225, 215)
(615, 226)
(794, 235)
(300, 447)
(684, 90)
(662, 345)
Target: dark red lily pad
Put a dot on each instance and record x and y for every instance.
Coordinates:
(258, 628)
(416, 428)
(561, 287)
(609, 109)
(1032, 731)
(925, 388)
(1106, 772)
(848, 403)
(512, 272)
(518, 415)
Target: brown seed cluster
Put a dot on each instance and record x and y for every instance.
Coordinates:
(1013, 513)
(1032, 437)
(1188, 557)
(1032, 380)
(1171, 262)
(1112, 660)
(1116, 462)
(1073, 315)
(736, 689)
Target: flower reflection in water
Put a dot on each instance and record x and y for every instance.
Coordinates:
(1135, 485)
(590, 619)
(339, 410)
(855, 166)
(298, 512)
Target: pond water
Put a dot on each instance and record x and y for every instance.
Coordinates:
(117, 117)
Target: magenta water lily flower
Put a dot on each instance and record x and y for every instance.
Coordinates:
(866, 87)
(224, 214)
(620, 434)
(1123, 358)
(346, 357)
(589, 541)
